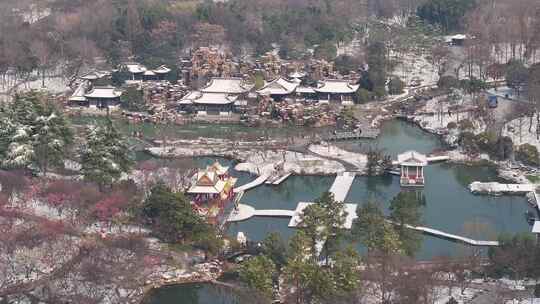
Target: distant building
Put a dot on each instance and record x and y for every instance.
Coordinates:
(306, 93)
(204, 103)
(103, 97)
(140, 72)
(228, 85)
(221, 96)
(334, 90)
(93, 76)
(456, 40)
(279, 89)
(412, 166)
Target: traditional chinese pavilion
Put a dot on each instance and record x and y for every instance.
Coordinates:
(412, 166)
(335, 90)
(211, 191)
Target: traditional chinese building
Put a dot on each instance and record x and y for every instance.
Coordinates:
(103, 97)
(228, 85)
(412, 166)
(204, 103)
(93, 76)
(140, 72)
(279, 89)
(211, 191)
(334, 90)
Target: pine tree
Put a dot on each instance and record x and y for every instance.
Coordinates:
(20, 152)
(105, 156)
(33, 133)
(51, 137)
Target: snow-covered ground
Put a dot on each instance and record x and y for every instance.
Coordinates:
(435, 116)
(52, 84)
(414, 66)
(328, 150)
(255, 160)
(293, 162)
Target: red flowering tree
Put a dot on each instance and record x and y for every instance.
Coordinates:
(110, 206)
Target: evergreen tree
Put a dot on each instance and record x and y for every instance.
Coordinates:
(405, 210)
(19, 152)
(34, 133)
(171, 216)
(377, 69)
(105, 156)
(373, 230)
(51, 138)
(323, 222)
(257, 273)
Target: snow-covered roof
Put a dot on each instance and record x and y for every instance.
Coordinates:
(217, 168)
(196, 97)
(78, 95)
(305, 90)
(135, 68)
(536, 227)
(455, 37)
(162, 70)
(336, 86)
(94, 75)
(278, 86)
(232, 85)
(104, 92)
(412, 158)
(149, 73)
(207, 181)
(297, 74)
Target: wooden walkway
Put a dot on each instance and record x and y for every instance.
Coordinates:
(364, 134)
(279, 179)
(341, 186)
(449, 236)
(498, 188)
(274, 213)
(245, 212)
(257, 182)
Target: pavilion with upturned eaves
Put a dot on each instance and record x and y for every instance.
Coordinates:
(412, 166)
(211, 190)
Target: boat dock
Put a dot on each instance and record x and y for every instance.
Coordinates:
(498, 188)
(341, 186)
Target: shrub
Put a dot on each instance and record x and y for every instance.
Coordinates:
(451, 125)
(379, 91)
(469, 142)
(363, 95)
(486, 141)
(345, 64)
(504, 147)
(528, 154)
(465, 124)
(447, 82)
(395, 86)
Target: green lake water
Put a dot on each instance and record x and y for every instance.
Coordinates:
(194, 294)
(449, 204)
